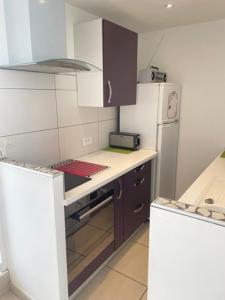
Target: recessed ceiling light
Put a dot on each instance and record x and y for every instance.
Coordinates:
(168, 5)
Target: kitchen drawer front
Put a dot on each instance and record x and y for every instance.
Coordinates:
(135, 218)
(137, 187)
(138, 172)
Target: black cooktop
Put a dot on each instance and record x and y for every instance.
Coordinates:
(71, 181)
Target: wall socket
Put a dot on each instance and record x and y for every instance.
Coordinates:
(87, 140)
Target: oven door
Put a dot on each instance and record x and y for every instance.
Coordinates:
(90, 239)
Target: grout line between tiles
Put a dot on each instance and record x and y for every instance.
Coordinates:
(143, 294)
(139, 243)
(126, 276)
(28, 132)
(28, 89)
(49, 129)
(57, 120)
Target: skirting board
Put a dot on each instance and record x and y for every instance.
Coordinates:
(4, 283)
(19, 292)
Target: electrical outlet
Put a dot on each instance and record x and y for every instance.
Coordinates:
(87, 141)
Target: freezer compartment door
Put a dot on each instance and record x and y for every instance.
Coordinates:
(169, 103)
(167, 146)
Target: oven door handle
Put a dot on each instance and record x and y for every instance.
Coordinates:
(97, 207)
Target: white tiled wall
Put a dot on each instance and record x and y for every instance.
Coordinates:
(40, 121)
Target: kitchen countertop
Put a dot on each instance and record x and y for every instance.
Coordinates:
(118, 164)
(189, 201)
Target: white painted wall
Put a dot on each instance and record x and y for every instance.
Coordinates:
(193, 56)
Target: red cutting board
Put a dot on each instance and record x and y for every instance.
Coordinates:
(80, 168)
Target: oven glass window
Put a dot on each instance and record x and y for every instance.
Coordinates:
(90, 236)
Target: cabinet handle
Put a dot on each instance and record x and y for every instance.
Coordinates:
(139, 182)
(121, 189)
(110, 91)
(138, 169)
(140, 208)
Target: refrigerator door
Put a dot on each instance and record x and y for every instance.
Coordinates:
(169, 103)
(167, 147)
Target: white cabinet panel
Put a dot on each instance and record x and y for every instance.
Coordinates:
(90, 89)
(27, 110)
(88, 42)
(71, 140)
(69, 113)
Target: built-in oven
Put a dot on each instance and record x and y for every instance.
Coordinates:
(90, 234)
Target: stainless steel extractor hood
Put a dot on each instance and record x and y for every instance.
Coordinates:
(53, 66)
(34, 36)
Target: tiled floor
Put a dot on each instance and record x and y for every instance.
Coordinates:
(124, 277)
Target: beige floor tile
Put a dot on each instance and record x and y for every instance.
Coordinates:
(144, 297)
(9, 296)
(110, 285)
(132, 261)
(142, 235)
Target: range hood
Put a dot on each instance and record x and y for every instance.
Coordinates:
(34, 38)
(53, 66)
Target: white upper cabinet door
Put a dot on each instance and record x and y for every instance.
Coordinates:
(88, 42)
(169, 103)
(89, 48)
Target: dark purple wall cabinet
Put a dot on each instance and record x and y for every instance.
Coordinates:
(119, 65)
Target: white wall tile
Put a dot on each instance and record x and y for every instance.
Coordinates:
(26, 110)
(71, 140)
(105, 128)
(65, 82)
(36, 147)
(69, 113)
(107, 113)
(25, 80)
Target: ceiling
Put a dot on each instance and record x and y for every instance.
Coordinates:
(148, 15)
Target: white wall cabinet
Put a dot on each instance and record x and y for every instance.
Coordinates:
(113, 49)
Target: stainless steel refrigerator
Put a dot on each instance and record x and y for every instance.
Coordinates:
(156, 118)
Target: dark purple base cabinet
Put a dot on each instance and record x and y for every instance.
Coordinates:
(136, 198)
(131, 209)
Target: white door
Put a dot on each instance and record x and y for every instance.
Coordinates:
(169, 103)
(167, 146)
